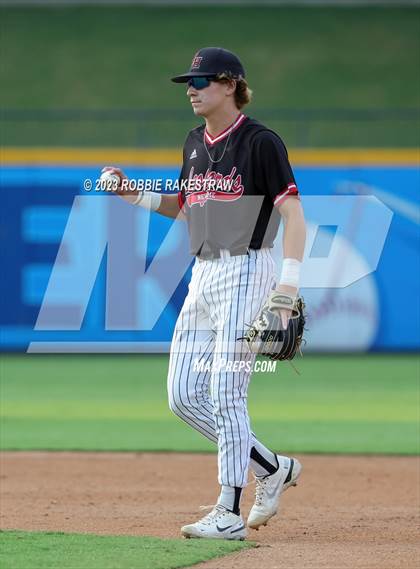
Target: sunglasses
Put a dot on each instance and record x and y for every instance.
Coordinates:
(200, 82)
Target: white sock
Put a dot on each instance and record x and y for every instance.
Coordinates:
(230, 497)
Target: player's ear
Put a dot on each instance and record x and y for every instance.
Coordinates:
(231, 87)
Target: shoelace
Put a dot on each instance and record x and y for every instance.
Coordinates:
(217, 511)
(260, 484)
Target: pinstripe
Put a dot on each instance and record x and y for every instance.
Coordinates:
(268, 286)
(236, 399)
(226, 352)
(210, 288)
(253, 312)
(191, 352)
(237, 282)
(177, 376)
(203, 296)
(227, 293)
(183, 357)
(212, 320)
(175, 354)
(252, 300)
(221, 416)
(204, 376)
(209, 414)
(191, 416)
(232, 374)
(245, 354)
(176, 379)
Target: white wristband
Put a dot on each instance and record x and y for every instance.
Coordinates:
(290, 272)
(148, 200)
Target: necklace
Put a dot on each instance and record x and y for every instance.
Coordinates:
(224, 150)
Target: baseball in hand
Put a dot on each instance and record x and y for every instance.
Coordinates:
(109, 181)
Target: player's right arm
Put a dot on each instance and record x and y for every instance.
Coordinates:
(169, 205)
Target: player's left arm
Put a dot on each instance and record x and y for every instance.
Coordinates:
(275, 178)
(294, 236)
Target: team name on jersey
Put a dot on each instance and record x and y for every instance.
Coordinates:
(213, 186)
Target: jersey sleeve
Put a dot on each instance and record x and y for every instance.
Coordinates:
(273, 176)
(181, 192)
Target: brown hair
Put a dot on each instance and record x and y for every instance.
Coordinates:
(243, 93)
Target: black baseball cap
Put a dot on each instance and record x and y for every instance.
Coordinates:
(209, 62)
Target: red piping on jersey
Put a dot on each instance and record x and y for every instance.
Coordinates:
(290, 190)
(213, 140)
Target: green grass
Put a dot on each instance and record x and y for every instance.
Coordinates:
(343, 404)
(38, 550)
(121, 57)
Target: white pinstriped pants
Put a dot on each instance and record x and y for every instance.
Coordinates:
(224, 296)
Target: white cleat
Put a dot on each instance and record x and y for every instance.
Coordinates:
(220, 523)
(269, 489)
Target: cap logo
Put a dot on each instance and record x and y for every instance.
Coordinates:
(196, 62)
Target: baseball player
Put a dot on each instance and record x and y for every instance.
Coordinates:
(236, 184)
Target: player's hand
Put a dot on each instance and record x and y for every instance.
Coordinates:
(284, 313)
(118, 172)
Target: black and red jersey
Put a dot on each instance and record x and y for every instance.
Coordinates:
(229, 185)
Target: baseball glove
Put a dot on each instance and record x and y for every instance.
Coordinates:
(266, 335)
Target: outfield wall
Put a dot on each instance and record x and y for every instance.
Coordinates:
(84, 271)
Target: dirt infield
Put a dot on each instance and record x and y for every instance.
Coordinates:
(347, 512)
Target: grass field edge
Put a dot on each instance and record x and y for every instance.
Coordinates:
(196, 551)
(204, 452)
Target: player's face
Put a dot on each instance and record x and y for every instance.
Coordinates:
(209, 100)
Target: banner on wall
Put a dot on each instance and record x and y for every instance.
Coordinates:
(86, 272)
